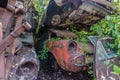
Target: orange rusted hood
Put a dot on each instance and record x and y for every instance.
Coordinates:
(68, 54)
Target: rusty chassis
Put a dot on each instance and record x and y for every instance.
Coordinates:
(17, 60)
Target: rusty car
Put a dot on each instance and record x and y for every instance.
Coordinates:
(69, 54)
(18, 51)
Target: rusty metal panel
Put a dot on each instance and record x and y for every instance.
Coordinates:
(2, 57)
(1, 13)
(1, 32)
(24, 67)
(17, 25)
(105, 54)
(63, 33)
(85, 12)
(29, 64)
(11, 52)
(5, 21)
(2, 66)
(69, 55)
(8, 40)
(106, 3)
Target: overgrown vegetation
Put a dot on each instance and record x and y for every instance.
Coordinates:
(40, 6)
(110, 27)
(107, 27)
(43, 52)
(82, 36)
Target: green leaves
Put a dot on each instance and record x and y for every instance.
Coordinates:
(82, 36)
(116, 69)
(44, 52)
(110, 26)
(117, 3)
(40, 7)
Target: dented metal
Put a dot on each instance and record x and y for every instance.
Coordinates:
(69, 55)
(106, 3)
(16, 63)
(59, 16)
(105, 54)
(7, 41)
(86, 12)
(25, 67)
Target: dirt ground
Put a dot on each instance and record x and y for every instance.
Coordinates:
(49, 72)
(62, 75)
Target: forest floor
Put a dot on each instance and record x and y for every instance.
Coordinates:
(48, 72)
(62, 75)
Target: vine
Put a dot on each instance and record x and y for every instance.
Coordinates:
(40, 6)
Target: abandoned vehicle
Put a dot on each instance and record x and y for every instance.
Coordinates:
(19, 49)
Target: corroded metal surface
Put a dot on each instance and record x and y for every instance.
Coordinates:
(69, 55)
(25, 67)
(1, 13)
(67, 12)
(8, 40)
(1, 34)
(88, 13)
(63, 33)
(5, 21)
(106, 3)
(105, 56)
(2, 57)
(28, 64)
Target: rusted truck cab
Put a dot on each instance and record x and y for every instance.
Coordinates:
(105, 59)
(70, 55)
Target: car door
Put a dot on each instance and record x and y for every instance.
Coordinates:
(105, 59)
